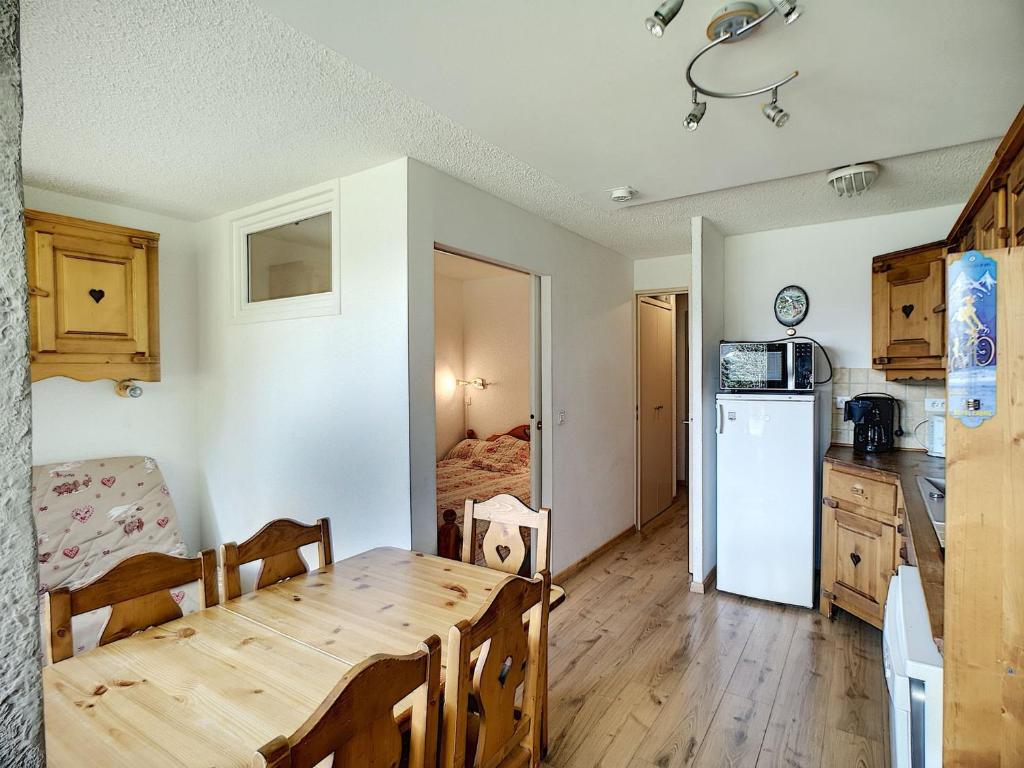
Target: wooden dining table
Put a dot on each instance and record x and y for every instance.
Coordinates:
(210, 688)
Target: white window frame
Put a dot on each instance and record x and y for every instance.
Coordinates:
(313, 201)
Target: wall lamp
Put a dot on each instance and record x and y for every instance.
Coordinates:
(476, 383)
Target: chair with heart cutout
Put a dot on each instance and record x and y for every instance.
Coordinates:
(503, 546)
(138, 592)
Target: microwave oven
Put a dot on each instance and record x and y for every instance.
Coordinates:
(754, 366)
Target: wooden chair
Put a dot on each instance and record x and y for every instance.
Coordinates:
(503, 545)
(498, 733)
(138, 589)
(356, 723)
(277, 544)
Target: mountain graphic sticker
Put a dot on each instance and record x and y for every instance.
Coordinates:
(971, 338)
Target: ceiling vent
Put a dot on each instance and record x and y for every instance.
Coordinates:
(854, 179)
(622, 194)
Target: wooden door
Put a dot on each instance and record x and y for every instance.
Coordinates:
(907, 307)
(655, 362)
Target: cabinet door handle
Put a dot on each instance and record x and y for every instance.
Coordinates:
(720, 424)
(830, 502)
(856, 490)
(855, 558)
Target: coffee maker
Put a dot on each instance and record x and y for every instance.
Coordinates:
(876, 422)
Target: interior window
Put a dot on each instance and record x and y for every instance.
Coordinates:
(290, 260)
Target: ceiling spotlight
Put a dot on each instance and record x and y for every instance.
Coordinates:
(787, 9)
(696, 114)
(622, 194)
(778, 116)
(662, 17)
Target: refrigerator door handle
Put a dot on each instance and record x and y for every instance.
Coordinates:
(720, 422)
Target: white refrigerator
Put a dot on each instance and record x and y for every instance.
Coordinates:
(767, 493)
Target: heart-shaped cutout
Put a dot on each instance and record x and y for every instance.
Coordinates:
(82, 514)
(97, 294)
(503, 552)
(908, 310)
(177, 597)
(855, 558)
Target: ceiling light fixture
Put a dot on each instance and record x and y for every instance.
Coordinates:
(663, 16)
(696, 114)
(854, 179)
(732, 23)
(774, 112)
(622, 194)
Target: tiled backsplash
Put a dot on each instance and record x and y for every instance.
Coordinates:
(848, 382)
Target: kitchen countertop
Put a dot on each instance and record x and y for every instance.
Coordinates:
(925, 551)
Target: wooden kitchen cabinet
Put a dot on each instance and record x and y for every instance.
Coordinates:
(861, 540)
(1015, 202)
(908, 329)
(93, 299)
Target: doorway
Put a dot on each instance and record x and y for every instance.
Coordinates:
(662, 408)
(485, 389)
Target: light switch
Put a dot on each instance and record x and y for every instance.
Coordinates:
(841, 402)
(561, 417)
(934, 405)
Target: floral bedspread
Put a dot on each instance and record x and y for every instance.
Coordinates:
(480, 469)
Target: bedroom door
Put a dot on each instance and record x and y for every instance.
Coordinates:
(655, 405)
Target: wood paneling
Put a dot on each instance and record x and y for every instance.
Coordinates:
(984, 634)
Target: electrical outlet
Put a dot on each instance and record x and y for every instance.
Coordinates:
(935, 405)
(841, 402)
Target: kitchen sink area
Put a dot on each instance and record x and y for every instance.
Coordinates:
(933, 493)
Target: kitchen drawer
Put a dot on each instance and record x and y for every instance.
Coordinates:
(858, 490)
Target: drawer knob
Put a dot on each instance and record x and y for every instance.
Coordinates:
(855, 558)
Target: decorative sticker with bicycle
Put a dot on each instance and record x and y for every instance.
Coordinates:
(971, 339)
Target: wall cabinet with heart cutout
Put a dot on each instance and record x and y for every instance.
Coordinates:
(908, 305)
(93, 299)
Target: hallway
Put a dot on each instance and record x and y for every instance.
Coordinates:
(646, 674)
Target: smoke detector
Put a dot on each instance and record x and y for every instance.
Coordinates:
(854, 179)
(621, 194)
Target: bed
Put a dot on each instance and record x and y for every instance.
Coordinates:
(479, 469)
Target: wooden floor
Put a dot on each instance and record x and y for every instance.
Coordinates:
(646, 674)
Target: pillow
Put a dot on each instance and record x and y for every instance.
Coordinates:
(507, 450)
(467, 449)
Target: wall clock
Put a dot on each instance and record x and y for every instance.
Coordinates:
(791, 305)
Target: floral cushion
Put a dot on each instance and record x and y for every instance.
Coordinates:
(90, 515)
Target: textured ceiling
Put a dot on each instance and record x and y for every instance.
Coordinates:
(193, 108)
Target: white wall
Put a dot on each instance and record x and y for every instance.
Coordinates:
(448, 364)
(309, 417)
(592, 490)
(497, 348)
(833, 263)
(662, 273)
(707, 323)
(87, 420)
